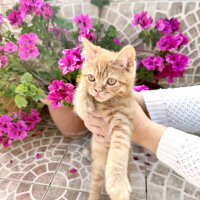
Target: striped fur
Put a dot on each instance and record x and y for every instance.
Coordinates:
(110, 160)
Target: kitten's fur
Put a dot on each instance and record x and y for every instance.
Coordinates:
(110, 160)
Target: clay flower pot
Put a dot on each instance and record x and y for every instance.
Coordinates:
(69, 124)
(9, 105)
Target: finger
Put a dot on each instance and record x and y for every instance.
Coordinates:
(100, 138)
(95, 121)
(97, 114)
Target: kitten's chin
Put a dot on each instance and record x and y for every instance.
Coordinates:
(100, 99)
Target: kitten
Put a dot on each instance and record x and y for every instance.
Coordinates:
(106, 84)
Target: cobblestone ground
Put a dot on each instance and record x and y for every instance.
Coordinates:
(62, 171)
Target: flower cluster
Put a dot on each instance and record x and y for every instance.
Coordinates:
(172, 66)
(152, 63)
(1, 19)
(3, 61)
(172, 42)
(31, 119)
(117, 41)
(142, 20)
(16, 127)
(27, 46)
(72, 60)
(59, 91)
(85, 26)
(167, 26)
(139, 88)
(39, 7)
(8, 48)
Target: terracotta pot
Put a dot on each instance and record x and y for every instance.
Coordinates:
(69, 124)
(9, 105)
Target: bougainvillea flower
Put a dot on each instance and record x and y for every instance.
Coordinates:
(10, 47)
(15, 18)
(142, 20)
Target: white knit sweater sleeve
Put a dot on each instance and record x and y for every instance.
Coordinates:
(178, 108)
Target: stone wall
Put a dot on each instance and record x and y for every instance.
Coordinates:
(120, 14)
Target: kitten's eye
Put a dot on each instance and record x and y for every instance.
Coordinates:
(111, 81)
(91, 77)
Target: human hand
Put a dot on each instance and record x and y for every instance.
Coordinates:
(99, 127)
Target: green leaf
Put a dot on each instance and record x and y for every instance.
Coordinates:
(39, 95)
(20, 101)
(27, 77)
(8, 12)
(63, 23)
(100, 3)
(20, 89)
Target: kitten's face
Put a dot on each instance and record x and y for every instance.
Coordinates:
(107, 74)
(104, 80)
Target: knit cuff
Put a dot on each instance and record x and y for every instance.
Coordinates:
(154, 102)
(169, 146)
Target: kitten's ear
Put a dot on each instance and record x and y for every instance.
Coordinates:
(126, 58)
(90, 51)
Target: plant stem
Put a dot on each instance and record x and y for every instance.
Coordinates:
(143, 50)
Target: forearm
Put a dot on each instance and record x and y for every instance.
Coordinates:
(148, 135)
(178, 107)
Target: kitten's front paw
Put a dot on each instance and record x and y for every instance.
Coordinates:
(118, 187)
(94, 197)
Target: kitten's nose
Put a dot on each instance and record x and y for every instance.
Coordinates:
(97, 90)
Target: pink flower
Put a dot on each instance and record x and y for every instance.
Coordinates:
(47, 11)
(5, 121)
(116, 41)
(17, 130)
(31, 119)
(87, 33)
(10, 47)
(28, 51)
(139, 88)
(7, 142)
(38, 156)
(56, 31)
(73, 170)
(152, 63)
(59, 91)
(84, 21)
(15, 18)
(27, 39)
(72, 60)
(1, 19)
(142, 20)
(3, 61)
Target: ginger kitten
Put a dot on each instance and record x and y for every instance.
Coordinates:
(106, 84)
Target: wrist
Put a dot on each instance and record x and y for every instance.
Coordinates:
(148, 134)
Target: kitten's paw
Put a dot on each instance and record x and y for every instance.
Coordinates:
(94, 197)
(118, 188)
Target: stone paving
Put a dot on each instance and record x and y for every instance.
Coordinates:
(47, 166)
